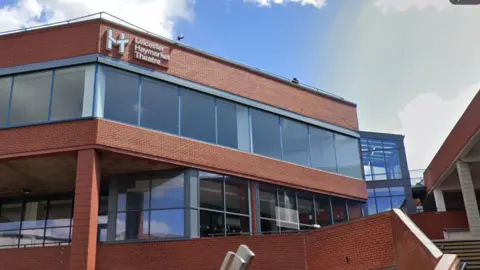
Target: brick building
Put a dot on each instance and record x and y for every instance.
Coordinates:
(120, 149)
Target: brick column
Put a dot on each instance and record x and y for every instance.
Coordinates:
(85, 213)
(469, 198)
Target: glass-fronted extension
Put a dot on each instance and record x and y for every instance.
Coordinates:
(381, 159)
(384, 199)
(173, 204)
(101, 91)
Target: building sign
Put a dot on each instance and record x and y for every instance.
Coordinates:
(143, 50)
(151, 52)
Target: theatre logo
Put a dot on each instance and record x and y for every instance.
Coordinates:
(143, 50)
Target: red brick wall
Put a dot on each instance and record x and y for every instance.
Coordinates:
(433, 223)
(51, 258)
(366, 243)
(143, 143)
(90, 37)
(272, 252)
(466, 127)
(410, 252)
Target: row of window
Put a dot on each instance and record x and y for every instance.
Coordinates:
(68, 93)
(384, 199)
(32, 223)
(381, 159)
(154, 104)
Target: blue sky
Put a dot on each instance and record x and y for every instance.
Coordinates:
(412, 66)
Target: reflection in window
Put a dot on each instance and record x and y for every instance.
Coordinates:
(306, 214)
(31, 98)
(5, 85)
(383, 204)
(268, 201)
(34, 214)
(198, 115)
(348, 156)
(72, 93)
(232, 125)
(167, 223)
(159, 106)
(339, 210)
(236, 195)
(295, 142)
(381, 159)
(384, 199)
(322, 150)
(211, 223)
(266, 134)
(322, 208)
(237, 224)
(211, 191)
(121, 96)
(372, 206)
(168, 191)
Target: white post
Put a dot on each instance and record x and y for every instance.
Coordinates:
(439, 200)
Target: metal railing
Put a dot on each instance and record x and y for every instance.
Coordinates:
(112, 18)
(416, 178)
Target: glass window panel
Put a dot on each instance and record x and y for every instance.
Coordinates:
(132, 225)
(159, 106)
(322, 207)
(397, 191)
(133, 195)
(167, 223)
(34, 215)
(390, 144)
(68, 92)
(372, 206)
(295, 142)
(348, 156)
(121, 96)
(398, 201)
(5, 85)
(57, 236)
(269, 226)
(381, 192)
(266, 134)
(268, 201)
(287, 206)
(168, 191)
(383, 204)
(377, 160)
(371, 193)
(286, 226)
(211, 223)
(364, 144)
(354, 210)
(198, 116)
(374, 144)
(31, 237)
(322, 150)
(59, 213)
(305, 208)
(366, 165)
(393, 167)
(9, 239)
(232, 125)
(31, 98)
(339, 210)
(236, 195)
(211, 191)
(237, 224)
(10, 216)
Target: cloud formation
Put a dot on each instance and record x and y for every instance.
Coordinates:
(154, 15)
(387, 6)
(268, 3)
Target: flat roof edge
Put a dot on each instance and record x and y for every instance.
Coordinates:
(133, 27)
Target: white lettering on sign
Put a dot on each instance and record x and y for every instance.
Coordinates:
(151, 52)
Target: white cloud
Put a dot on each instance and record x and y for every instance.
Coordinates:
(426, 122)
(157, 16)
(387, 6)
(268, 3)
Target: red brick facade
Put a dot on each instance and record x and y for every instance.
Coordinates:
(433, 223)
(90, 38)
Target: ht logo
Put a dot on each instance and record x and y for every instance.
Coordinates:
(121, 41)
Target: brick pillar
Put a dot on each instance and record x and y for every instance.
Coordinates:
(253, 206)
(469, 198)
(85, 213)
(439, 200)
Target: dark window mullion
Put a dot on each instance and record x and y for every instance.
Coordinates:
(45, 223)
(21, 223)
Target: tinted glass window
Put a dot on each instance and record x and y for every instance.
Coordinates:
(295, 142)
(397, 191)
(10, 216)
(372, 206)
(236, 195)
(377, 159)
(211, 191)
(266, 134)
(31, 98)
(68, 93)
(322, 150)
(305, 208)
(5, 85)
(268, 201)
(211, 223)
(159, 106)
(237, 224)
(381, 192)
(121, 96)
(269, 225)
(168, 191)
(383, 204)
(288, 206)
(232, 125)
(133, 195)
(348, 156)
(34, 214)
(322, 208)
(167, 223)
(392, 164)
(59, 213)
(198, 116)
(339, 210)
(398, 201)
(132, 225)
